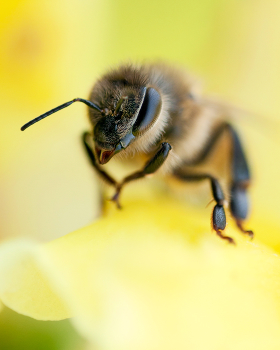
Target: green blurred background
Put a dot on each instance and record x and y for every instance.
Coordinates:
(52, 51)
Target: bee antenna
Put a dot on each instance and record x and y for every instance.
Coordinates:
(56, 109)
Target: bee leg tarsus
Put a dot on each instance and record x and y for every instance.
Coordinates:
(227, 238)
(116, 200)
(116, 197)
(246, 232)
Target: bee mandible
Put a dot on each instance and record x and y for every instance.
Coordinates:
(153, 110)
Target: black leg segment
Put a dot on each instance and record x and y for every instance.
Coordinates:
(106, 177)
(240, 181)
(218, 215)
(150, 168)
(240, 174)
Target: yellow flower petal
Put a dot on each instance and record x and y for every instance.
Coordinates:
(25, 286)
(141, 278)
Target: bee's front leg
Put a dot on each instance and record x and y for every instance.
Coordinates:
(150, 168)
(105, 176)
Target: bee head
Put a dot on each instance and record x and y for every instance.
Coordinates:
(126, 118)
(122, 111)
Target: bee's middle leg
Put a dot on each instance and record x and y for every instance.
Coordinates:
(218, 215)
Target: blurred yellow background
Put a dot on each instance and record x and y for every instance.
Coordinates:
(53, 51)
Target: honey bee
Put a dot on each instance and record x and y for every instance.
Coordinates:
(153, 110)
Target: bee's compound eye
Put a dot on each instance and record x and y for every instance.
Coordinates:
(149, 111)
(126, 141)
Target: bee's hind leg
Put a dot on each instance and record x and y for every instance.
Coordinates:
(240, 181)
(218, 215)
